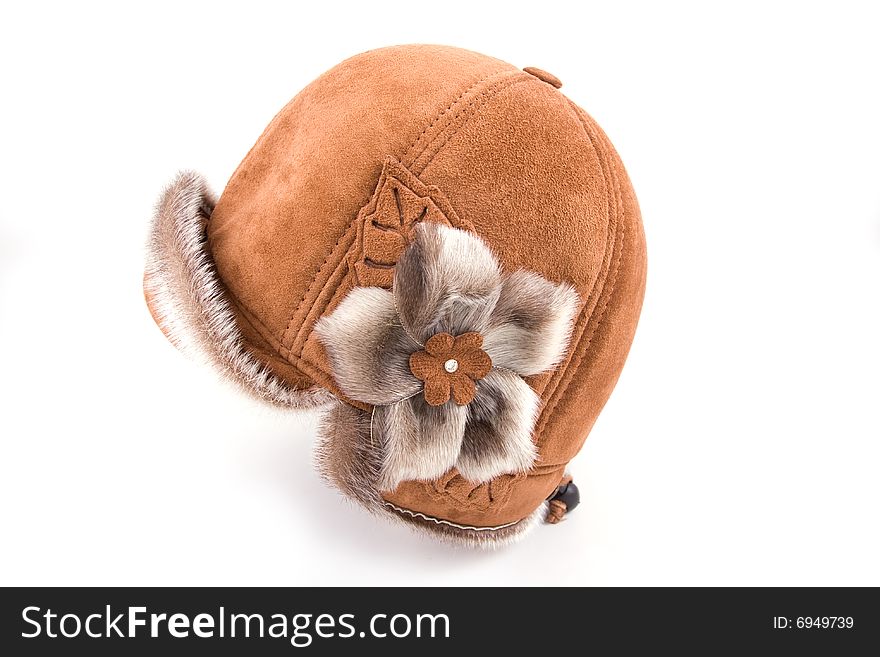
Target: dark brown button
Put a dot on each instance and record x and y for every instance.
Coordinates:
(544, 76)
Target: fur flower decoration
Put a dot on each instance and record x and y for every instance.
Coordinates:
(442, 355)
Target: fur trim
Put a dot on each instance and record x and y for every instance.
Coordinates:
(348, 457)
(498, 438)
(368, 348)
(446, 281)
(189, 301)
(531, 324)
(420, 441)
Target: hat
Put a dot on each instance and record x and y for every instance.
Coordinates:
(440, 251)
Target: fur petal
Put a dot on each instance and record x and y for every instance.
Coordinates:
(421, 441)
(498, 435)
(531, 324)
(189, 301)
(369, 350)
(447, 280)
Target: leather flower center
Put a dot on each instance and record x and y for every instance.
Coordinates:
(449, 366)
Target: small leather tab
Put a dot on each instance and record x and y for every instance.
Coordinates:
(544, 76)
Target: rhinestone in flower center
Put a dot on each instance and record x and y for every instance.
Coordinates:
(451, 365)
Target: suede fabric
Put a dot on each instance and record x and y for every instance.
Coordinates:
(326, 199)
(316, 165)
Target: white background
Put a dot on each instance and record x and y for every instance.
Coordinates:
(742, 443)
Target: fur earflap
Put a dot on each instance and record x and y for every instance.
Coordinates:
(189, 301)
(349, 457)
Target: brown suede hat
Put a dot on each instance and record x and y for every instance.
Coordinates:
(442, 252)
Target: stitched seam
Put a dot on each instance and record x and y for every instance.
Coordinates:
(443, 113)
(252, 319)
(464, 112)
(596, 326)
(298, 308)
(467, 115)
(585, 341)
(559, 394)
(339, 273)
(254, 322)
(312, 284)
(583, 319)
(272, 357)
(595, 294)
(483, 96)
(416, 514)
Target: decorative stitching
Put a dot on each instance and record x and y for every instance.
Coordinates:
(411, 181)
(360, 260)
(416, 514)
(448, 107)
(487, 94)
